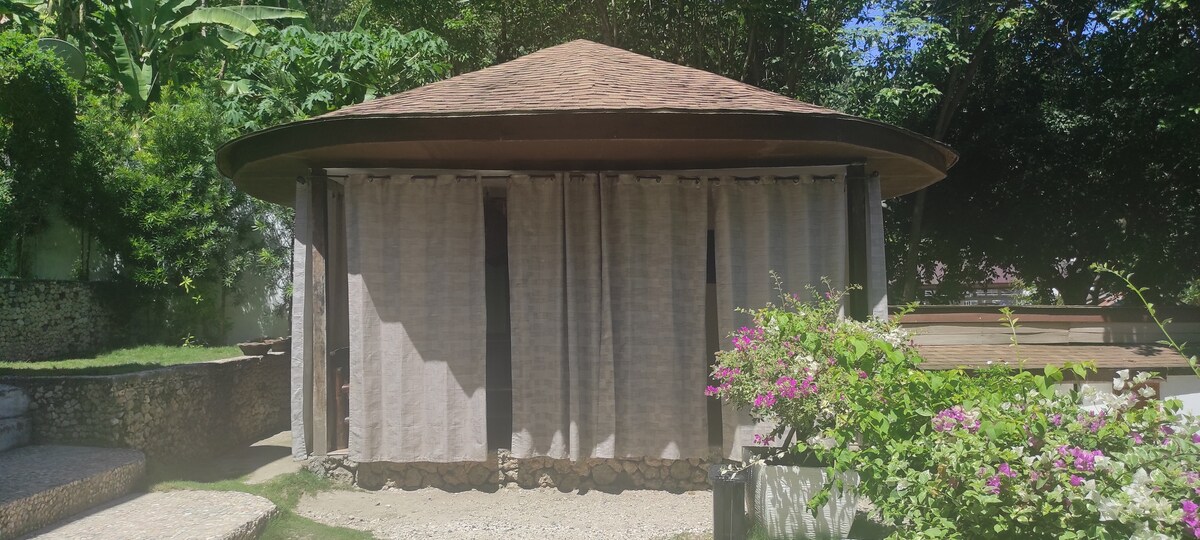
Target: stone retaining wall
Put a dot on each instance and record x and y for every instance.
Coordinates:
(505, 470)
(43, 320)
(172, 414)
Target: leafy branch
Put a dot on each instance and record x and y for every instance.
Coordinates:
(1127, 279)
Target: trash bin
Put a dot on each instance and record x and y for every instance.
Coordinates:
(729, 502)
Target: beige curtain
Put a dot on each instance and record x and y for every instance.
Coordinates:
(795, 227)
(417, 319)
(606, 278)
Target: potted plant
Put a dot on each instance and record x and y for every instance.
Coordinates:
(796, 367)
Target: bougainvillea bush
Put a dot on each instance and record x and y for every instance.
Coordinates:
(998, 453)
(1043, 464)
(808, 370)
(791, 364)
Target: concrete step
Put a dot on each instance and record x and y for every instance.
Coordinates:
(40, 485)
(13, 402)
(215, 515)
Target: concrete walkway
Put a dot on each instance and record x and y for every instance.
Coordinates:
(515, 513)
(258, 462)
(223, 515)
(34, 479)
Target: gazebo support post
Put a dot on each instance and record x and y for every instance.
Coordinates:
(857, 237)
(337, 318)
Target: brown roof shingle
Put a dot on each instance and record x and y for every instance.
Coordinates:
(581, 76)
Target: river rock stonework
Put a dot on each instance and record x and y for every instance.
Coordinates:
(174, 414)
(44, 320)
(507, 471)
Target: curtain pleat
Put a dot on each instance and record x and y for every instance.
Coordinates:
(794, 227)
(656, 255)
(607, 285)
(415, 253)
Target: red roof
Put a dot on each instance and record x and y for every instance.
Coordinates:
(582, 76)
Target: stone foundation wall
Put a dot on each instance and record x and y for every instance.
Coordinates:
(507, 471)
(173, 414)
(44, 320)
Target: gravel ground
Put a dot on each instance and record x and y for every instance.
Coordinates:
(515, 513)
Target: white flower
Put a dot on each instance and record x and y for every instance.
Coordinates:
(1146, 392)
(824, 442)
(1123, 374)
(1109, 509)
(1118, 384)
(806, 360)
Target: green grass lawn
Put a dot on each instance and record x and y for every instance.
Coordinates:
(285, 491)
(120, 361)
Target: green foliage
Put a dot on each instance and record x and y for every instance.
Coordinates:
(180, 222)
(141, 40)
(38, 137)
(796, 361)
(292, 74)
(1011, 454)
(1191, 294)
(18, 15)
(180, 198)
(1037, 466)
(795, 48)
(1079, 130)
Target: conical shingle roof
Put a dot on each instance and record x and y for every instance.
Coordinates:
(582, 76)
(581, 106)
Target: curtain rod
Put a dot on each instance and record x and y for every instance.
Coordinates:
(301, 179)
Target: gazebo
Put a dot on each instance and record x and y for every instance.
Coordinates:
(528, 268)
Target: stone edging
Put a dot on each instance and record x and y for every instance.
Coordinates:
(507, 471)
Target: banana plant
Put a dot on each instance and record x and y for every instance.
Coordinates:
(140, 39)
(19, 14)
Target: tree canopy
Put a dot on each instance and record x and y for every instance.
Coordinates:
(1076, 121)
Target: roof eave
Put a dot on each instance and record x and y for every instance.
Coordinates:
(296, 138)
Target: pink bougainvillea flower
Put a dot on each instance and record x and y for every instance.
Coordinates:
(766, 400)
(1005, 470)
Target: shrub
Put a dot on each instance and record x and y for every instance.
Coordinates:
(791, 365)
(38, 137)
(1043, 464)
(993, 454)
